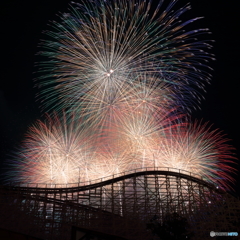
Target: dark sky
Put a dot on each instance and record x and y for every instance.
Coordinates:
(22, 23)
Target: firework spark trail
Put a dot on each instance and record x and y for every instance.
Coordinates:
(103, 43)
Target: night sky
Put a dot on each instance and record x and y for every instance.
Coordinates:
(22, 24)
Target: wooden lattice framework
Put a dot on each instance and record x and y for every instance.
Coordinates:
(120, 206)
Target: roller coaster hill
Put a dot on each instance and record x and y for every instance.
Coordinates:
(145, 204)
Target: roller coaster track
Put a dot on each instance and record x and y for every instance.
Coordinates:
(118, 179)
(121, 206)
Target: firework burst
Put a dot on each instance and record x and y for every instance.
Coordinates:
(53, 152)
(101, 45)
(198, 149)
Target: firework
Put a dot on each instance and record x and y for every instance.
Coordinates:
(54, 151)
(198, 149)
(102, 45)
(126, 70)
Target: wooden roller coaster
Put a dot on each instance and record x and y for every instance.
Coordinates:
(122, 206)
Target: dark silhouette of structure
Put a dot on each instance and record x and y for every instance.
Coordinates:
(125, 207)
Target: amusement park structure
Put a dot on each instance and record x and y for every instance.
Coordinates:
(121, 206)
